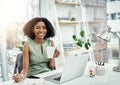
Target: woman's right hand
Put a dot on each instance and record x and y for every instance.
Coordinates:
(56, 53)
(18, 77)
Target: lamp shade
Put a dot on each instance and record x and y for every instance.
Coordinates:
(105, 35)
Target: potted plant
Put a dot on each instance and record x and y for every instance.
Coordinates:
(85, 43)
(81, 41)
(21, 46)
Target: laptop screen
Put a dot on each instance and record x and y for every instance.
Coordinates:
(73, 67)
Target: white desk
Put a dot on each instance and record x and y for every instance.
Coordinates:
(110, 78)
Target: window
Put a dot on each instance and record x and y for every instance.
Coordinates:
(112, 0)
(119, 16)
(13, 34)
(113, 16)
(108, 16)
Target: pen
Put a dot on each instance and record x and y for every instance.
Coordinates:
(17, 72)
(100, 63)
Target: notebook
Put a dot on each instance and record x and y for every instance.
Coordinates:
(74, 67)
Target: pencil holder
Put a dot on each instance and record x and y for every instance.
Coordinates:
(100, 70)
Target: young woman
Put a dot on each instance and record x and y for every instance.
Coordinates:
(35, 60)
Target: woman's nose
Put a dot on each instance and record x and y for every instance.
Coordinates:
(41, 29)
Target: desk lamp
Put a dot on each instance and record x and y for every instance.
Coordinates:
(105, 35)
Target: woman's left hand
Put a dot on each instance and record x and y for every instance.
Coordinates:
(18, 77)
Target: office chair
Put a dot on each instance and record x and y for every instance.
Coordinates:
(19, 63)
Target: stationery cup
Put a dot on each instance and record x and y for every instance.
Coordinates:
(100, 70)
(50, 52)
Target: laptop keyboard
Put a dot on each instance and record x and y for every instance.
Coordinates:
(58, 78)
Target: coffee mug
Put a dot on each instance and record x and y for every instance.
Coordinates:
(50, 52)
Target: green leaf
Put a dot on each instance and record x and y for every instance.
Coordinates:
(88, 42)
(74, 37)
(86, 46)
(23, 42)
(82, 33)
(20, 47)
(79, 43)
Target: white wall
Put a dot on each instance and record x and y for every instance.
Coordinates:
(113, 7)
(114, 24)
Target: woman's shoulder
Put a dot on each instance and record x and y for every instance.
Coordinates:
(50, 42)
(26, 44)
(30, 41)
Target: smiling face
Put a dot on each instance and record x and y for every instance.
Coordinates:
(40, 30)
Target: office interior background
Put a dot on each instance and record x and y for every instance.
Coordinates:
(68, 17)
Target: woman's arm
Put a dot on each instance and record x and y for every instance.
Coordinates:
(52, 60)
(24, 72)
(26, 55)
(56, 53)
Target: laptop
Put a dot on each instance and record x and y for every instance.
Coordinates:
(74, 67)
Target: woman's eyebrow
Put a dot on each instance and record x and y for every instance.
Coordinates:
(40, 26)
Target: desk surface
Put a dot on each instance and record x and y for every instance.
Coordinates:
(110, 78)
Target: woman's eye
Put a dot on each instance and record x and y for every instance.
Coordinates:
(44, 27)
(37, 27)
(41, 27)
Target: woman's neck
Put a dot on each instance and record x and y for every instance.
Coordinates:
(39, 41)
